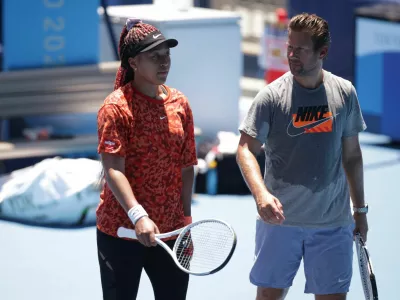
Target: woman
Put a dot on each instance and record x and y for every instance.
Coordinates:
(147, 148)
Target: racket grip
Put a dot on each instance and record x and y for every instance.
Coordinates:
(123, 232)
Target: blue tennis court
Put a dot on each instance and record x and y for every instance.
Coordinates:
(44, 263)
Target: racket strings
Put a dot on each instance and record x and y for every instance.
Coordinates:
(195, 259)
(205, 247)
(186, 252)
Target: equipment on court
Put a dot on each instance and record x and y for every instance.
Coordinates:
(201, 248)
(368, 279)
(59, 192)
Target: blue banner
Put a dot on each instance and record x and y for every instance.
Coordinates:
(376, 70)
(47, 33)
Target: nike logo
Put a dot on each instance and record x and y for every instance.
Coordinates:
(293, 130)
(156, 35)
(161, 118)
(341, 280)
(311, 119)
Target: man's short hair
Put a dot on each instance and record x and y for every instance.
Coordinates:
(315, 25)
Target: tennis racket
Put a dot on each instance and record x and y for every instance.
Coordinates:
(201, 248)
(368, 279)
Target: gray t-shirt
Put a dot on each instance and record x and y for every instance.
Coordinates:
(302, 130)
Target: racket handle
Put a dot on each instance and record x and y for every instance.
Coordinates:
(126, 233)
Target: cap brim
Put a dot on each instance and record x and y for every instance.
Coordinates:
(170, 42)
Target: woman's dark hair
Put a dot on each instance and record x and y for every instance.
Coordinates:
(127, 41)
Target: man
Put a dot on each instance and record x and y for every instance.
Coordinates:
(308, 121)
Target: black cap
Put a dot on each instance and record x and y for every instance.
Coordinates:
(152, 40)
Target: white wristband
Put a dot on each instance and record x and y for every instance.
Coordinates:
(136, 213)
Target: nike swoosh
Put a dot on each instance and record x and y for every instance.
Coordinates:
(156, 35)
(296, 131)
(163, 117)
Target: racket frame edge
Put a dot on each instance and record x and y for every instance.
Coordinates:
(361, 246)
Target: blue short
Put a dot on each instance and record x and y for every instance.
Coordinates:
(327, 254)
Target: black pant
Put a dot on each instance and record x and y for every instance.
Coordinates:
(121, 263)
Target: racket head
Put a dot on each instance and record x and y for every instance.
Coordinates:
(368, 279)
(205, 247)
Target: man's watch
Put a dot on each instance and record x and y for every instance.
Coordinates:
(361, 210)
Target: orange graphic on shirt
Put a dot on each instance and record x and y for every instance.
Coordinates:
(313, 119)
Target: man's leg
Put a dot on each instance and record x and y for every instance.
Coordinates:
(270, 293)
(328, 262)
(278, 253)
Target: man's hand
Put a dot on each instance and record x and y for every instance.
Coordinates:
(145, 231)
(361, 225)
(270, 209)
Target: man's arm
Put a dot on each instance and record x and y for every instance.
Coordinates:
(187, 190)
(269, 207)
(247, 152)
(353, 166)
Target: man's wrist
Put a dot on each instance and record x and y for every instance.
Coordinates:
(259, 196)
(360, 209)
